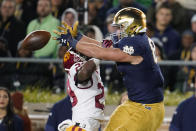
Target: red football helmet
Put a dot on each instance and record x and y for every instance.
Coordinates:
(71, 58)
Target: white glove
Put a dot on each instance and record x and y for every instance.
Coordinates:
(65, 124)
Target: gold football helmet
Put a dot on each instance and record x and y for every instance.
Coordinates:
(130, 20)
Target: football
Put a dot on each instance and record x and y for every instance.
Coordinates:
(36, 40)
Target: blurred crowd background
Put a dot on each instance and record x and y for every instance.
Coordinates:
(171, 25)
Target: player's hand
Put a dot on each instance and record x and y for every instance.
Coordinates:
(73, 30)
(107, 43)
(68, 125)
(63, 38)
(67, 40)
(65, 124)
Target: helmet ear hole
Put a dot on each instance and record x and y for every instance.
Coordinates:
(131, 30)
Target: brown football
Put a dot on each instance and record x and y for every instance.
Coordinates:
(36, 40)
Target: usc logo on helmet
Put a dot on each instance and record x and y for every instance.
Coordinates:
(66, 56)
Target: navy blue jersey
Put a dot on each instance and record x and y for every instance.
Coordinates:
(61, 111)
(143, 81)
(184, 119)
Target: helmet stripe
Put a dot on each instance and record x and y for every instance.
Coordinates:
(80, 129)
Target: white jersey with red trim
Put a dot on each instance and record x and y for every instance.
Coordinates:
(87, 99)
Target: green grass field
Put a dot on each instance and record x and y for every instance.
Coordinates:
(37, 95)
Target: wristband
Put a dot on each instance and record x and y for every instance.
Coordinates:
(79, 36)
(73, 43)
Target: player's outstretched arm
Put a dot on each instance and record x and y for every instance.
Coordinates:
(89, 40)
(96, 51)
(113, 54)
(87, 70)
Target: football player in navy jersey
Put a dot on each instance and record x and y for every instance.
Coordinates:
(134, 53)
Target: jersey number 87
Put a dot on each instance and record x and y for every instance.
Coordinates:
(153, 49)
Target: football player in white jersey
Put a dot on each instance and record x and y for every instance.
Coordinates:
(86, 92)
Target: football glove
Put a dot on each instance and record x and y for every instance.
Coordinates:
(68, 125)
(65, 124)
(73, 30)
(67, 40)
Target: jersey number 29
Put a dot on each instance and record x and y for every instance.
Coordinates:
(97, 97)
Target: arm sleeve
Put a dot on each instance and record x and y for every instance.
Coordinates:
(177, 119)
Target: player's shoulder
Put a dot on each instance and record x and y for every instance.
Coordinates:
(135, 45)
(187, 101)
(134, 40)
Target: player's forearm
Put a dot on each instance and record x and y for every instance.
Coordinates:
(98, 52)
(89, 40)
(86, 71)
(87, 49)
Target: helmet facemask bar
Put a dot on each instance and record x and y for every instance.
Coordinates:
(119, 34)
